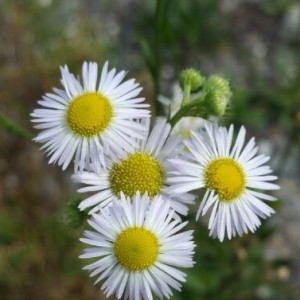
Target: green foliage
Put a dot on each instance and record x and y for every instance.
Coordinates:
(8, 229)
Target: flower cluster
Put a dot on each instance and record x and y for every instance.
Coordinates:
(143, 179)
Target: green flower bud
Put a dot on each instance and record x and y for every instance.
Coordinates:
(217, 95)
(192, 78)
(71, 214)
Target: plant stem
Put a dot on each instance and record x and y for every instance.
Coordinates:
(186, 94)
(14, 128)
(160, 17)
(182, 112)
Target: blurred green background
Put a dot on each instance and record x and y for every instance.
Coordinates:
(253, 43)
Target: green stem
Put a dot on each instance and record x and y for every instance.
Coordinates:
(186, 94)
(187, 107)
(14, 128)
(160, 17)
(182, 112)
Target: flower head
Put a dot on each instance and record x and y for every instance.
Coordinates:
(191, 77)
(218, 94)
(86, 120)
(145, 169)
(138, 248)
(232, 175)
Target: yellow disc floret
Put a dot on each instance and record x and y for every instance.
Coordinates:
(138, 172)
(136, 248)
(226, 177)
(89, 114)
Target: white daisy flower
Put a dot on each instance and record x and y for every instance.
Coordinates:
(144, 169)
(138, 248)
(232, 175)
(86, 120)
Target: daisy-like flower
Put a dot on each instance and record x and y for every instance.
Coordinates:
(85, 120)
(144, 169)
(232, 174)
(138, 248)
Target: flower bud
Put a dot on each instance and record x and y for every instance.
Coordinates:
(192, 78)
(217, 95)
(71, 214)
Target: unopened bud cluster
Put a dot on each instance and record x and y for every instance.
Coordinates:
(203, 97)
(217, 95)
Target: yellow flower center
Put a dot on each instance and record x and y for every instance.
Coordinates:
(138, 172)
(226, 177)
(89, 114)
(136, 248)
